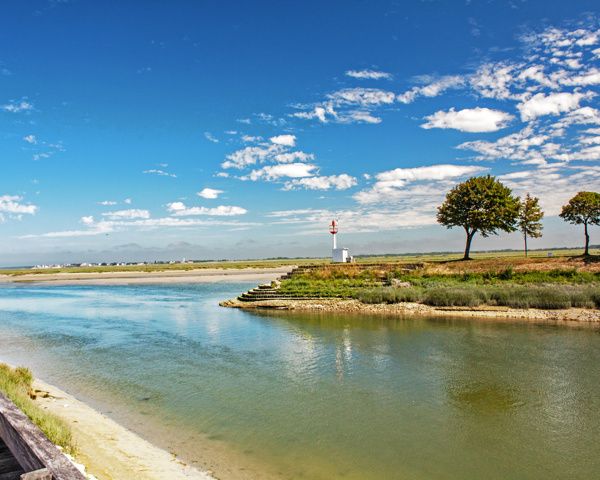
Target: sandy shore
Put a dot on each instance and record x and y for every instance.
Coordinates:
(203, 275)
(110, 451)
(568, 316)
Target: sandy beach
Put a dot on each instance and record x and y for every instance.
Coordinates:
(108, 450)
(262, 275)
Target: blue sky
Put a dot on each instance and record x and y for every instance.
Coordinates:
(144, 130)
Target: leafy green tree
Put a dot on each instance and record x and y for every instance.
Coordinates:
(583, 208)
(480, 204)
(530, 216)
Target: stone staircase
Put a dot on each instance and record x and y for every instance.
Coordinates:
(272, 291)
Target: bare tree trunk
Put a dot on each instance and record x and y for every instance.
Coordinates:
(468, 246)
(587, 240)
(525, 236)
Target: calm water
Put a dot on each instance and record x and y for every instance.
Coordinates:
(317, 396)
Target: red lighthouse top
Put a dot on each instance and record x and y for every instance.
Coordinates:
(333, 227)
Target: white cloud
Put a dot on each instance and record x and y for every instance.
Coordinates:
(522, 146)
(432, 89)
(338, 182)
(275, 172)
(290, 157)
(493, 80)
(127, 214)
(250, 156)
(209, 193)
(285, 140)
(392, 185)
(251, 139)
(107, 202)
(162, 173)
(17, 106)
(87, 220)
(368, 74)
(30, 139)
(13, 204)
(210, 137)
(181, 210)
(551, 104)
(362, 96)
(469, 120)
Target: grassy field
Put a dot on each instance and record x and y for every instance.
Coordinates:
(16, 384)
(271, 263)
(536, 282)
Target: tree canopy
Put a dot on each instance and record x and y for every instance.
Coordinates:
(530, 216)
(583, 208)
(480, 204)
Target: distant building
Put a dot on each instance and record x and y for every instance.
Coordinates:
(338, 255)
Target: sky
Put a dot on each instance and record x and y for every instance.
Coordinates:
(146, 130)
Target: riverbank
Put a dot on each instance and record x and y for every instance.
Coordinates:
(335, 305)
(108, 450)
(204, 275)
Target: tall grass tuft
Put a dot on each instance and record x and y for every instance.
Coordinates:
(16, 384)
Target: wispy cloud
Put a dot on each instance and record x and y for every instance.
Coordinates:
(368, 74)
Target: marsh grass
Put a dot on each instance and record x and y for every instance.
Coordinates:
(16, 384)
(550, 297)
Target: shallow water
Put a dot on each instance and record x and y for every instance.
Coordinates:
(317, 396)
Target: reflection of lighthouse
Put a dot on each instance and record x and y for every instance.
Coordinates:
(339, 255)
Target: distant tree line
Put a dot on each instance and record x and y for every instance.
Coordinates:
(486, 206)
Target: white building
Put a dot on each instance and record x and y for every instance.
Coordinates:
(338, 255)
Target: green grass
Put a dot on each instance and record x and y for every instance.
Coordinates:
(545, 284)
(548, 297)
(16, 383)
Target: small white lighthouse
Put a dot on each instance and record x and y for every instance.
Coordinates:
(338, 255)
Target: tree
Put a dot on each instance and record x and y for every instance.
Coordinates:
(530, 214)
(480, 204)
(583, 208)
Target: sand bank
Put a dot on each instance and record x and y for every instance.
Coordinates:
(110, 451)
(204, 275)
(566, 316)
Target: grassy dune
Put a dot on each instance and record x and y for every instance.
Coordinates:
(16, 384)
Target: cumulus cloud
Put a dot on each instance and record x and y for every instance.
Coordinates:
(285, 140)
(127, 214)
(362, 97)
(107, 202)
(552, 104)
(250, 156)
(181, 210)
(432, 89)
(392, 185)
(13, 205)
(469, 120)
(275, 172)
(30, 139)
(368, 74)
(209, 193)
(337, 182)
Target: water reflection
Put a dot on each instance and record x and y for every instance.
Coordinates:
(318, 396)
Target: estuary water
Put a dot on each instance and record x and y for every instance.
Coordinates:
(316, 396)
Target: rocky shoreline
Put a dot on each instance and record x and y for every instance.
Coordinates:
(335, 305)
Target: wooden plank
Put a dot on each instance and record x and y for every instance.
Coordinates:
(30, 446)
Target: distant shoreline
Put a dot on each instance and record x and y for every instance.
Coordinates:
(204, 275)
